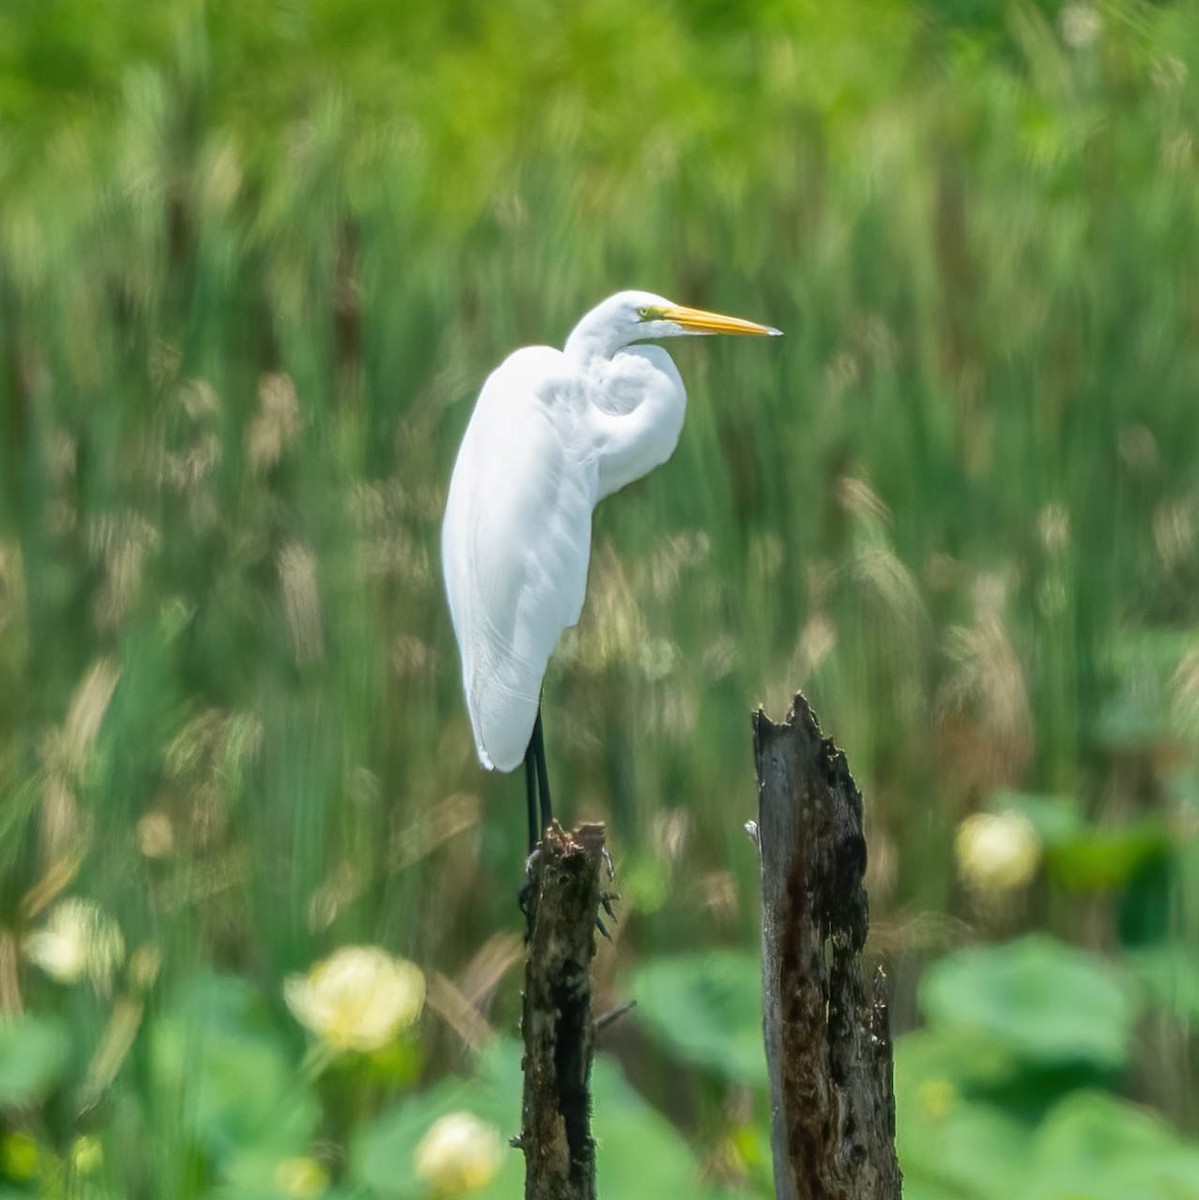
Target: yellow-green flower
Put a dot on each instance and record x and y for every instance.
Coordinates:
(936, 1098)
(459, 1154)
(78, 939)
(359, 998)
(19, 1156)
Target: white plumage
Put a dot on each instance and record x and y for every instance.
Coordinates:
(553, 432)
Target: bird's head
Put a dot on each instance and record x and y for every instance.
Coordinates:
(649, 317)
(629, 317)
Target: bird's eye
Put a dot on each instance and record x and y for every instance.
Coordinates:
(644, 313)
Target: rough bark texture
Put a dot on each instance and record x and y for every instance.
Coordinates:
(558, 1028)
(828, 1045)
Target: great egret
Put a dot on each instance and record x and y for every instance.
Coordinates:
(552, 434)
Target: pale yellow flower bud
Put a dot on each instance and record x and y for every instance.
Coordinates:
(301, 1177)
(358, 998)
(459, 1154)
(78, 939)
(156, 835)
(997, 852)
(87, 1155)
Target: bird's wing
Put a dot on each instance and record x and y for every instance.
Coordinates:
(516, 542)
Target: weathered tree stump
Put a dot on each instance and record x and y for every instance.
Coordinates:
(557, 1026)
(828, 1045)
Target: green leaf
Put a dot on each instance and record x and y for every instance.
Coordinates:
(217, 1057)
(960, 1148)
(1103, 859)
(33, 1054)
(640, 1153)
(959, 1059)
(1170, 975)
(1095, 1146)
(706, 1009)
(1043, 1001)
(950, 1145)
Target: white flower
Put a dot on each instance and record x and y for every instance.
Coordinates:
(359, 998)
(997, 852)
(459, 1154)
(78, 939)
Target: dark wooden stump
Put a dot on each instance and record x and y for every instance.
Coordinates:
(557, 1025)
(828, 1045)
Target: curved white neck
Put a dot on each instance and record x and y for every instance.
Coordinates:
(639, 427)
(594, 337)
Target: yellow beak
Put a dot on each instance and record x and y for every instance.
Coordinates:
(709, 322)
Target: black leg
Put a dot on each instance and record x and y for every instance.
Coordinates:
(543, 779)
(531, 796)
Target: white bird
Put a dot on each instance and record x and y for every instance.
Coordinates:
(552, 434)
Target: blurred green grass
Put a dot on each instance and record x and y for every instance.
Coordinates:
(255, 261)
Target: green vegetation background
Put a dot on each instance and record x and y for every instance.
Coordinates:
(255, 261)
